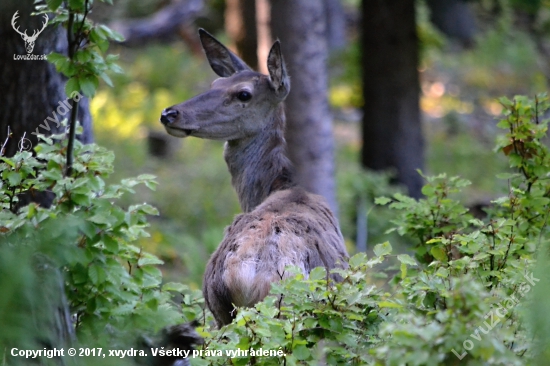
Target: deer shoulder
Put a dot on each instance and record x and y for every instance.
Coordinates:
(292, 227)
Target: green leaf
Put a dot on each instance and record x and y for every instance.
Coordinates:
(7, 161)
(406, 259)
(149, 259)
(89, 84)
(62, 64)
(53, 4)
(301, 352)
(97, 274)
(110, 243)
(357, 260)
(145, 208)
(76, 5)
(403, 268)
(382, 249)
(428, 190)
(244, 343)
(14, 178)
(382, 200)
(175, 287)
(102, 44)
(388, 304)
(81, 199)
(72, 86)
(439, 254)
(442, 272)
(318, 273)
(106, 79)
(100, 219)
(83, 55)
(111, 34)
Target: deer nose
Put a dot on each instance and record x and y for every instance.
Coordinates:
(168, 116)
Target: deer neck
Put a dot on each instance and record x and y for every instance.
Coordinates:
(258, 164)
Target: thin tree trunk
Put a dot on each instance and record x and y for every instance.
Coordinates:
(454, 18)
(392, 136)
(240, 24)
(301, 27)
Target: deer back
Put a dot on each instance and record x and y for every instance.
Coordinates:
(292, 227)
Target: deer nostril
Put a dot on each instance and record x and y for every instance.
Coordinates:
(168, 116)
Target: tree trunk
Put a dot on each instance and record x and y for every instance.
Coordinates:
(454, 18)
(301, 27)
(32, 90)
(392, 136)
(240, 24)
(336, 25)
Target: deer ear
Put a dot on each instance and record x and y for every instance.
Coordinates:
(277, 71)
(224, 62)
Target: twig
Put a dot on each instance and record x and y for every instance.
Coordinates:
(22, 141)
(3, 149)
(74, 43)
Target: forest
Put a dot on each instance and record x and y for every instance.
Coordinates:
(396, 149)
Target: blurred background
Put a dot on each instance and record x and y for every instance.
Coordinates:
(380, 89)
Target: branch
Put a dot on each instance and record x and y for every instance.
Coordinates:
(162, 25)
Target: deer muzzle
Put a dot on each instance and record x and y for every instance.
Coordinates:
(171, 119)
(168, 116)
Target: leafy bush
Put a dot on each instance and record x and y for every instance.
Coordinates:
(465, 297)
(110, 283)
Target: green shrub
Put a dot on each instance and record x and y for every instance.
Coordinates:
(113, 287)
(465, 298)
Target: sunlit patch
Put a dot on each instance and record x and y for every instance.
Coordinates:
(438, 100)
(434, 90)
(492, 107)
(119, 115)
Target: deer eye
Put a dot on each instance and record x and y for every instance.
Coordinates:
(244, 96)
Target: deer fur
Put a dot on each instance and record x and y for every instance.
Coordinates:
(282, 224)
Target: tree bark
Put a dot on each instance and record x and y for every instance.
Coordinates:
(32, 90)
(391, 128)
(454, 18)
(301, 27)
(240, 24)
(336, 25)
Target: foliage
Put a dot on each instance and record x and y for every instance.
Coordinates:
(464, 298)
(305, 321)
(84, 63)
(360, 218)
(463, 258)
(88, 42)
(112, 285)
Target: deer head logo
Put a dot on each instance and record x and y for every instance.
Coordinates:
(29, 40)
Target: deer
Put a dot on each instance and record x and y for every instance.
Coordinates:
(29, 40)
(282, 224)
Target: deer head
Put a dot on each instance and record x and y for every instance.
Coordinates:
(239, 104)
(29, 40)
